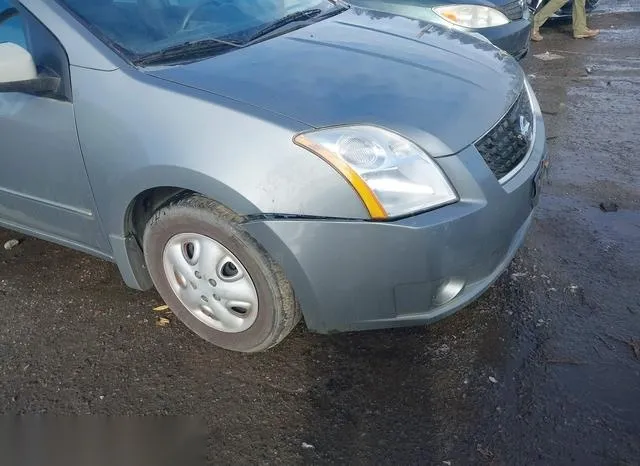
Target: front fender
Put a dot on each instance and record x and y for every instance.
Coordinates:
(138, 132)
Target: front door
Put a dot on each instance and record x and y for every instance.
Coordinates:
(44, 188)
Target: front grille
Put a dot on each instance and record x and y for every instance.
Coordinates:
(507, 144)
(513, 10)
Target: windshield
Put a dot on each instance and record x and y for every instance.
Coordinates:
(142, 27)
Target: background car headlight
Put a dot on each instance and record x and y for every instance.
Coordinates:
(471, 16)
(392, 175)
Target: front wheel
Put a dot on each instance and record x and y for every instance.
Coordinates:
(216, 278)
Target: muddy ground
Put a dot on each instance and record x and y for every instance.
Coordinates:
(541, 370)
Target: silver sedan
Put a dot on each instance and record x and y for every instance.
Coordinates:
(259, 162)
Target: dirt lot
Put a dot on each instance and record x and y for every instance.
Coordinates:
(544, 369)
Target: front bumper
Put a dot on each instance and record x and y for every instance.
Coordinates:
(357, 275)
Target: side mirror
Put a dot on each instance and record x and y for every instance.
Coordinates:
(18, 72)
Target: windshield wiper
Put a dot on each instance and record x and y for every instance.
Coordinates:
(284, 21)
(187, 50)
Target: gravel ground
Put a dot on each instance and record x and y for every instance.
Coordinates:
(543, 369)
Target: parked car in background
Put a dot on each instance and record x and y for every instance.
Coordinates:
(506, 23)
(258, 164)
(566, 12)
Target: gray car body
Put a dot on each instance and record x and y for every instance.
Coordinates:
(223, 127)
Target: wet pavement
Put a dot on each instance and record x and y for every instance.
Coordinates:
(541, 370)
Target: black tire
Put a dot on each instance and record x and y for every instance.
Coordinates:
(278, 312)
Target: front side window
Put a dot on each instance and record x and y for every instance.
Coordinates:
(143, 27)
(11, 27)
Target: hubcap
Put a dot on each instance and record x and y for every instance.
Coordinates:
(210, 282)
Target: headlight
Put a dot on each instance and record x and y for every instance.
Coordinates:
(392, 175)
(471, 16)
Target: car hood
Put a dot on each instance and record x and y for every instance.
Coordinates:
(442, 88)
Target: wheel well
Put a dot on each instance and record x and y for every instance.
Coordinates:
(145, 205)
(139, 212)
